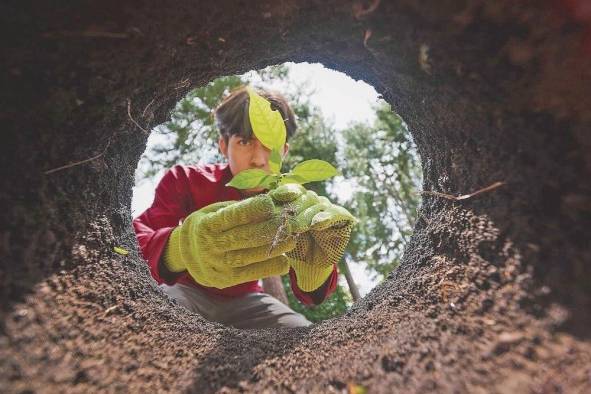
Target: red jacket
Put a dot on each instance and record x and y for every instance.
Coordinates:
(181, 191)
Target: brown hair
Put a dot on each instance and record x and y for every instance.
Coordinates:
(231, 115)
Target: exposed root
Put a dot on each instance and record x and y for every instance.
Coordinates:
(424, 59)
(283, 231)
(132, 119)
(86, 34)
(79, 162)
(366, 37)
(463, 196)
(147, 106)
(359, 12)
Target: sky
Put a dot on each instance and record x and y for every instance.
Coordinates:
(341, 99)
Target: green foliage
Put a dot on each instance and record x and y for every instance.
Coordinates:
(307, 171)
(333, 306)
(267, 124)
(120, 250)
(269, 128)
(382, 161)
(312, 170)
(248, 179)
(275, 161)
(315, 138)
(191, 125)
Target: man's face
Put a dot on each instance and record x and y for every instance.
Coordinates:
(244, 153)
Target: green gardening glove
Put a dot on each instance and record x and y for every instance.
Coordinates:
(322, 232)
(228, 243)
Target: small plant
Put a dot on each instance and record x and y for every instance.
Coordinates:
(269, 128)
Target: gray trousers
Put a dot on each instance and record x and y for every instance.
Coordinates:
(253, 310)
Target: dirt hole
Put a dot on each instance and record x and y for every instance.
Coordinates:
(493, 292)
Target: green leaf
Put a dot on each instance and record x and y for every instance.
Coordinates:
(248, 179)
(291, 178)
(268, 125)
(275, 161)
(314, 170)
(269, 182)
(121, 251)
(355, 388)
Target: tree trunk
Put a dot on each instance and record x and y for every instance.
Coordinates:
(350, 281)
(274, 286)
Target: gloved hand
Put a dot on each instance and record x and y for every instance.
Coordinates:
(322, 231)
(228, 243)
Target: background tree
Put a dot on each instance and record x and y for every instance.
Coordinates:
(381, 162)
(190, 135)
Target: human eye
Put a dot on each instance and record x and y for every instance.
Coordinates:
(244, 141)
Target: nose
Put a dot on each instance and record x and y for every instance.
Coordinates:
(260, 156)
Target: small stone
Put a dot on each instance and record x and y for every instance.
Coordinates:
(530, 353)
(390, 364)
(505, 341)
(486, 304)
(510, 337)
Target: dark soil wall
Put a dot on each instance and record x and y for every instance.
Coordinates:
(493, 294)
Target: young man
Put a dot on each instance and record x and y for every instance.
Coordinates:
(210, 257)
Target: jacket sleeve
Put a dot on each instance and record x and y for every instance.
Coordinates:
(317, 296)
(172, 202)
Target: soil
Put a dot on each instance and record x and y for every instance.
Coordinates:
(493, 294)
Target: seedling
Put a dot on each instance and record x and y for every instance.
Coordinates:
(268, 126)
